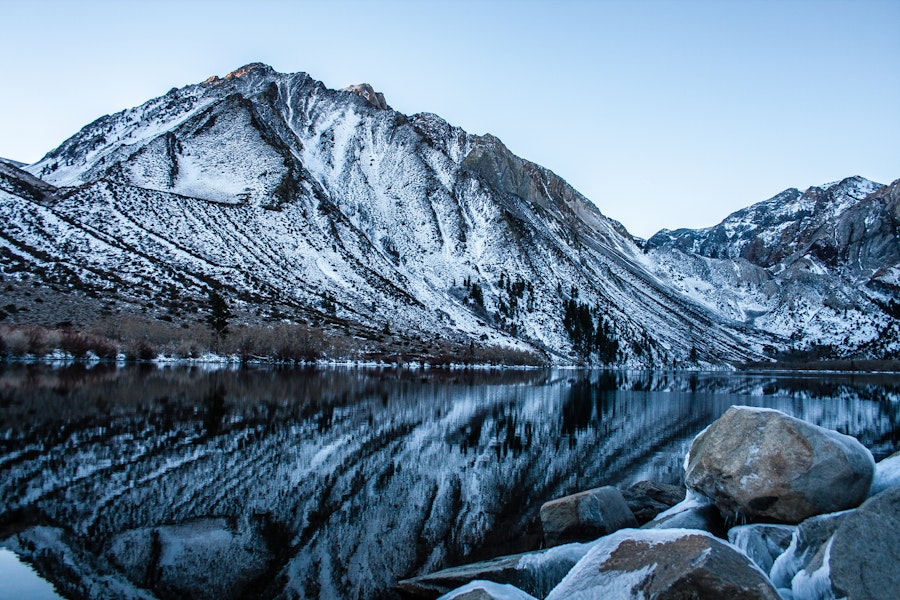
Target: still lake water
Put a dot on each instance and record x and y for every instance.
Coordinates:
(335, 483)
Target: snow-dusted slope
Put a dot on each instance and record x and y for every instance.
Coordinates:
(820, 267)
(292, 196)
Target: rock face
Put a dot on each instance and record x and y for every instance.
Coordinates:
(534, 572)
(366, 91)
(646, 499)
(664, 564)
(760, 464)
(585, 516)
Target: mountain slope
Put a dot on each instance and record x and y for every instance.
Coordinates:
(821, 267)
(318, 205)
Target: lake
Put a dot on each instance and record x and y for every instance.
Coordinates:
(335, 483)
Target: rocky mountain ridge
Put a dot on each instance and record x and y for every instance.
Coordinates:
(326, 207)
(819, 267)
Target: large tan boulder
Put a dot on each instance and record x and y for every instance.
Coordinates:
(664, 564)
(763, 465)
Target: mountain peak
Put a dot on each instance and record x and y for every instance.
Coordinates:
(367, 92)
(254, 67)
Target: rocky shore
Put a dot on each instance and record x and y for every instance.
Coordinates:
(774, 507)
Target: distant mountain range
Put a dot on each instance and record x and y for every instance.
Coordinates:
(326, 207)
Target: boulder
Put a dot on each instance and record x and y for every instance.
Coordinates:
(762, 542)
(646, 499)
(694, 512)
(763, 465)
(585, 516)
(887, 474)
(487, 590)
(533, 572)
(664, 564)
(862, 559)
(806, 550)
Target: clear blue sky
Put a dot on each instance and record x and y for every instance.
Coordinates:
(665, 114)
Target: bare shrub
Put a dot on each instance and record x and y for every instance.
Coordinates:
(78, 344)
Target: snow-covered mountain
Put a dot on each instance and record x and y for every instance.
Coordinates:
(819, 267)
(324, 206)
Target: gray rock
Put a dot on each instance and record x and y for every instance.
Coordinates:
(761, 464)
(703, 517)
(585, 516)
(487, 590)
(664, 564)
(807, 548)
(646, 499)
(864, 556)
(762, 542)
(887, 474)
(533, 572)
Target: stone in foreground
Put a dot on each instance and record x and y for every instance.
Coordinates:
(585, 516)
(860, 561)
(487, 590)
(533, 572)
(763, 465)
(664, 564)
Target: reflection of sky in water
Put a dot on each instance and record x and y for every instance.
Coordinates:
(18, 581)
(336, 483)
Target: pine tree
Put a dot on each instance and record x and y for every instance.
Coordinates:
(218, 316)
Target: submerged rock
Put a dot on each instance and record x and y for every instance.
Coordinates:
(761, 464)
(533, 572)
(202, 558)
(647, 499)
(585, 516)
(639, 563)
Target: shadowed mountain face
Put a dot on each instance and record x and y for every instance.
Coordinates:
(324, 205)
(820, 267)
(337, 483)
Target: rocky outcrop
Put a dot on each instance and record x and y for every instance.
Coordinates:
(585, 516)
(367, 92)
(759, 464)
(646, 499)
(664, 564)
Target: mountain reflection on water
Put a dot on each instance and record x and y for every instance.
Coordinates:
(335, 483)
